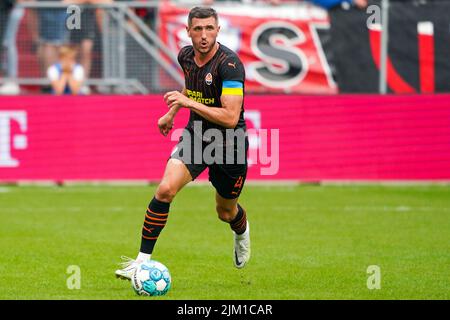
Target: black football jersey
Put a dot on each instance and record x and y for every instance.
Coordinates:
(223, 74)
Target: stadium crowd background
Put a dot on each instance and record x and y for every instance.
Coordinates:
(31, 39)
(107, 56)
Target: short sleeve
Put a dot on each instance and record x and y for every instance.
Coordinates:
(78, 73)
(181, 56)
(232, 73)
(232, 69)
(52, 73)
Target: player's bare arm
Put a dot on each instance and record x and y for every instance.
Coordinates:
(165, 123)
(227, 116)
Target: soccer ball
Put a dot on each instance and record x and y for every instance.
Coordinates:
(151, 278)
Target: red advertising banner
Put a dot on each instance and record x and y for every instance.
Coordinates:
(279, 46)
(305, 138)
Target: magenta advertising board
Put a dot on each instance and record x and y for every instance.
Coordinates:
(292, 137)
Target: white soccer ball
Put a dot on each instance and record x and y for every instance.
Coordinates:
(151, 278)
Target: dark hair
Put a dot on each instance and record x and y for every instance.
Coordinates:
(201, 13)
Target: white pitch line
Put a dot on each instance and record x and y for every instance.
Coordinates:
(69, 209)
(393, 208)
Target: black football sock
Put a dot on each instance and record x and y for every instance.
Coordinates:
(155, 220)
(239, 223)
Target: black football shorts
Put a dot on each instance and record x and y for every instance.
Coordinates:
(227, 178)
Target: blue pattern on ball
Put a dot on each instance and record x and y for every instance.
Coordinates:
(157, 272)
(149, 286)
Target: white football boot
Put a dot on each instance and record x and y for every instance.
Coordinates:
(129, 267)
(242, 248)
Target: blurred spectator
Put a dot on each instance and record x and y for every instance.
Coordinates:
(32, 22)
(5, 10)
(66, 76)
(53, 33)
(272, 2)
(328, 4)
(84, 38)
(9, 52)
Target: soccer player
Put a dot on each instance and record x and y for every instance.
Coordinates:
(213, 92)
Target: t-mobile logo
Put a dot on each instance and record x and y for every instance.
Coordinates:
(9, 141)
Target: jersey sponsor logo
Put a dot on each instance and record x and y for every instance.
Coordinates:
(208, 79)
(198, 96)
(232, 65)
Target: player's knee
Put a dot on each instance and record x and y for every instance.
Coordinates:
(225, 214)
(165, 192)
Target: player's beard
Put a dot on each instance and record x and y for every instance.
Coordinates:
(205, 50)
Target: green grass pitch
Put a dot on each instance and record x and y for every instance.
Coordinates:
(308, 242)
